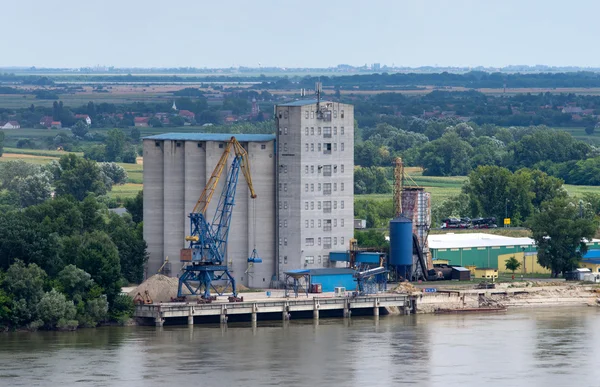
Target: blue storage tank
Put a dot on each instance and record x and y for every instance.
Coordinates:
(401, 242)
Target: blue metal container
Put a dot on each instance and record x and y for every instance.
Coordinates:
(401, 242)
(339, 256)
(367, 257)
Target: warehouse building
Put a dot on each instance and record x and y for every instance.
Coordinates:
(303, 178)
(488, 251)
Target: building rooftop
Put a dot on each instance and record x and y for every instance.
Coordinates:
(457, 241)
(300, 102)
(212, 137)
(466, 240)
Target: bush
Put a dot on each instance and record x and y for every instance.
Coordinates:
(122, 308)
(67, 325)
(54, 307)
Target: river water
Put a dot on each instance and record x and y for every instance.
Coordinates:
(529, 347)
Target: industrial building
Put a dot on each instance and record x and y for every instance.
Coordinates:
(177, 167)
(303, 178)
(315, 196)
(488, 251)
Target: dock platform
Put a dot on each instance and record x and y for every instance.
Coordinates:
(159, 313)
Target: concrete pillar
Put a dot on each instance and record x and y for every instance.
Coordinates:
(315, 309)
(254, 313)
(191, 316)
(376, 308)
(223, 318)
(347, 311)
(159, 321)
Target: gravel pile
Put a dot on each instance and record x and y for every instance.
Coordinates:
(160, 287)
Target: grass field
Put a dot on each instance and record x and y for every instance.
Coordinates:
(36, 156)
(125, 191)
(442, 188)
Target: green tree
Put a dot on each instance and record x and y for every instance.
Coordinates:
(371, 238)
(544, 187)
(115, 144)
(512, 264)
(135, 206)
(134, 134)
(560, 233)
(131, 245)
(74, 282)
(495, 191)
(78, 177)
(25, 285)
(33, 189)
(29, 241)
(447, 156)
(54, 307)
(114, 172)
(370, 180)
(95, 253)
(80, 129)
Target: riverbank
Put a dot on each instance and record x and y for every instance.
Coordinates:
(508, 295)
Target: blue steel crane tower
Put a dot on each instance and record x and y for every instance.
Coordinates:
(205, 257)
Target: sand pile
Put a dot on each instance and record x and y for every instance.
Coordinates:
(160, 287)
(405, 287)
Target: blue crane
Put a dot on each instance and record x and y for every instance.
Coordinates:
(205, 257)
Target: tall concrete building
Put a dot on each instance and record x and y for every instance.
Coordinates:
(303, 178)
(315, 182)
(176, 169)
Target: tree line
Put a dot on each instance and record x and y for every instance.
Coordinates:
(63, 255)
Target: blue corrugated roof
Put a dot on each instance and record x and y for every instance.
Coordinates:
(592, 254)
(212, 137)
(301, 102)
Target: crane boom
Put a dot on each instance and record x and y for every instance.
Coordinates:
(207, 194)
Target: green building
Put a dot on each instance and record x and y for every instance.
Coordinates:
(482, 250)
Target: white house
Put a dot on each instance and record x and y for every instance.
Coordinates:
(10, 125)
(85, 118)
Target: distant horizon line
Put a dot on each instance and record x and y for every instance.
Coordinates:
(340, 67)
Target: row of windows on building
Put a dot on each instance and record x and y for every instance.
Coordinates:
(326, 131)
(326, 187)
(326, 224)
(326, 147)
(325, 169)
(326, 206)
(308, 259)
(312, 114)
(327, 241)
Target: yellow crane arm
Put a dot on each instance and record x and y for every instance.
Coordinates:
(211, 186)
(244, 164)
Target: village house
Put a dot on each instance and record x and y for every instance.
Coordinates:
(10, 125)
(188, 115)
(84, 117)
(46, 121)
(141, 122)
(56, 125)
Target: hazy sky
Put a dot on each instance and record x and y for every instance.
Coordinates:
(308, 33)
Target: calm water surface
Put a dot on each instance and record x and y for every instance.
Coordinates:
(539, 347)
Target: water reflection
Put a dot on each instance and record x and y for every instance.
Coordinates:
(549, 347)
